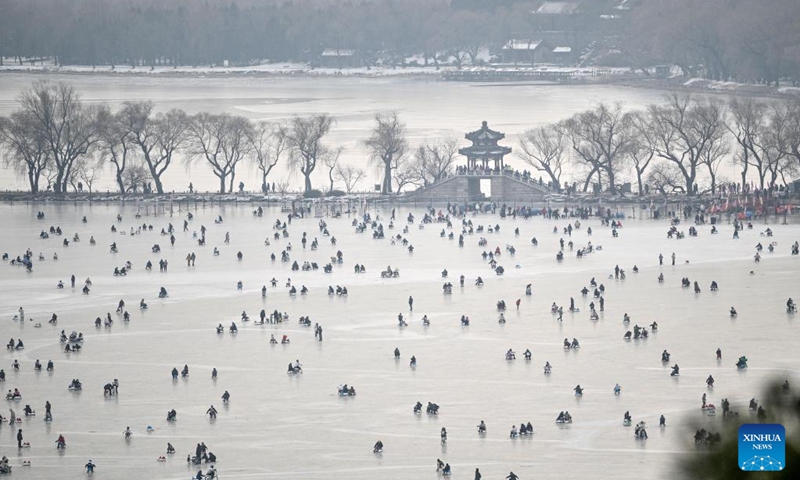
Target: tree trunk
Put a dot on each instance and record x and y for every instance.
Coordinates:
(120, 182)
(308, 182)
(159, 186)
(67, 177)
(58, 185)
(689, 185)
(221, 183)
(387, 178)
(612, 185)
(588, 180)
(744, 172)
(639, 181)
(554, 182)
(34, 181)
(156, 176)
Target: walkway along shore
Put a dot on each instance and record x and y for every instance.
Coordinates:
(653, 206)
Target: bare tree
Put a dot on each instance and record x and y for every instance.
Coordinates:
(350, 176)
(791, 142)
(600, 139)
(49, 175)
(775, 144)
(747, 123)
(267, 144)
(460, 54)
(683, 128)
(304, 136)
(717, 150)
(434, 160)
(642, 147)
(763, 134)
(408, 173)
(158, 138)
(282, 187)
(466, 23)
(134, 176)
(331, 161)
(387, 145)
(27, 151)
(222, 141)
(116, 142)
(86, 171)
(666, 178)
(69, 128)
(698, 37)
(543, 149)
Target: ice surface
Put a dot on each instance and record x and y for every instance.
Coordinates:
(277, 426)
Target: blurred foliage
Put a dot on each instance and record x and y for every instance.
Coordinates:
(721, 462)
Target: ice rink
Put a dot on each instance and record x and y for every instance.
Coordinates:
(281, 426)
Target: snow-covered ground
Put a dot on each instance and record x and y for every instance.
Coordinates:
(736, 87)
(271, 68)
(283, 68)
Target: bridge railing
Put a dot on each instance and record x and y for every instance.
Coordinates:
(462, 172)
(527, 179)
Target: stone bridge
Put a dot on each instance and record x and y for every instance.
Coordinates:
(467, 187)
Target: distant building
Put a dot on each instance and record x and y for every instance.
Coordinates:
(339, 58)
(562, 24)
(528, 52)
(557, 8)
(563, 56)
(558, 16)
(662, 71)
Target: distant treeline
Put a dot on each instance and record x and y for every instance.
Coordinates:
(670, 147)
(742, 40)
(200, 32)
(755, 41)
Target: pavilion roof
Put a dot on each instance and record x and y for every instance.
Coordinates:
(484, 151)
(484, 133)
(516, 44)
(557, 8)
(338, 52)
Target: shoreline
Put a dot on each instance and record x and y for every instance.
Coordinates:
(168, 201)
(278, 71)
(709, 87)
(690, 85)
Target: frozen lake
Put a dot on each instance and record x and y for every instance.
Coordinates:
(431, 109)
(277, 426)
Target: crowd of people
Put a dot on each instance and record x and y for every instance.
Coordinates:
(453, 218)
